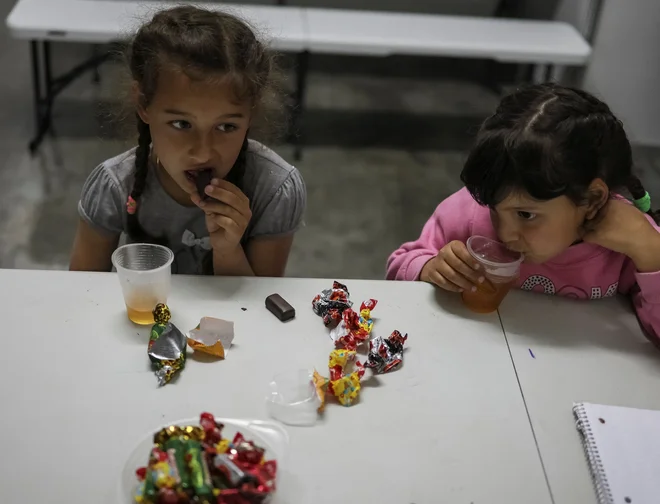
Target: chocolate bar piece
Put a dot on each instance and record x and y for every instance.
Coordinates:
(280, 308)
(203, 179)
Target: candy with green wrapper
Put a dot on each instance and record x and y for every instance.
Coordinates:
(167, 346)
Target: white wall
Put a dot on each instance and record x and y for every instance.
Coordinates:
(624, 69)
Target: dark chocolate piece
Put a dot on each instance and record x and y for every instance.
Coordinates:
(203, 179)
(280, 308)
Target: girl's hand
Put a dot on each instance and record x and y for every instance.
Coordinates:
(453, 269)
(227, 214)
(623, 228)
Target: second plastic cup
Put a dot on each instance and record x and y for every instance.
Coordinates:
(145, 275)
(501, 269)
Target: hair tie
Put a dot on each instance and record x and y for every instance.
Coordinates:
(643, 203)
(131, 205)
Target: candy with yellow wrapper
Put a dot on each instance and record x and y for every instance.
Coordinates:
(212, 336)
(345, 387)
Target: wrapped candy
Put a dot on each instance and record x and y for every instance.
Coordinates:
(331, 303)
(353, 330)
(212, 336)
(386, 354)
(196, 465)
(167, 346)
(345, 387)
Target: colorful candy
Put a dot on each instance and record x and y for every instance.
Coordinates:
(196, 465)
(331, 303)
(167, 346)
(354, 329)
(345, 387)
(386, 354)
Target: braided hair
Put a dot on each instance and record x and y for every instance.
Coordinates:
(551, 141)
(200, 43)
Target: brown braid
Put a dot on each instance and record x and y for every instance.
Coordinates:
(142, 153)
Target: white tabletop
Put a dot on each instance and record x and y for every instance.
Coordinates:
(383, 33)
(77, 392)
(104, 21)
(584, 352)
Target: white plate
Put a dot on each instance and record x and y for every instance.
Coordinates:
(268, 435)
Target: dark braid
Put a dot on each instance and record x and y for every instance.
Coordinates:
(638, 192)
(142, 155)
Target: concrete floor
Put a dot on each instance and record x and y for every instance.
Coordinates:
(382, 153)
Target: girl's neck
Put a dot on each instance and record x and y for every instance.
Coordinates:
(168, 184)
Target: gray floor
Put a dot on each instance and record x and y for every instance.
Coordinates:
(382, 153)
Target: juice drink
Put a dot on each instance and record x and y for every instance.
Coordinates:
(489, 295)
(501, 268)
(144, 272)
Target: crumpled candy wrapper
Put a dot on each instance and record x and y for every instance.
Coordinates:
(331, 303)
(345, 387)
(167, 346)
(212, 336)
(386, 354)
(354, 329)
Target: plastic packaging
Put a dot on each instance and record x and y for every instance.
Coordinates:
(293, 398)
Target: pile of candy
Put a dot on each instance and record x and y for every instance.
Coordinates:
(349, 330)
(195, 464)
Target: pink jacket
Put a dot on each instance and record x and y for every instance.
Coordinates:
(584, 271)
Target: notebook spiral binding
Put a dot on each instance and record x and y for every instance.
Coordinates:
(601, 485)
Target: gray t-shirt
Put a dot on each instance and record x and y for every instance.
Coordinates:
(276, 191)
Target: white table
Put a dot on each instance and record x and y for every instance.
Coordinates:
(450, 426)
(506, 40)
(584, 352)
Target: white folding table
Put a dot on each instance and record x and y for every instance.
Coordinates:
(77, 392)
(567, 351)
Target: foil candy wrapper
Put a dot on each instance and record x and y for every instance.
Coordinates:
(341, 384)
(386, 354)
(212, 336)
(167, 346)
(331, 303)
(196, 465)
(354, 329)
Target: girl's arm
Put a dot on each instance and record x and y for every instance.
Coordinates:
(92, 250)
(450, 221)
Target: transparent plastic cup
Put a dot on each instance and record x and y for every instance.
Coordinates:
(145, 276)
(501, 269)
(293, 398)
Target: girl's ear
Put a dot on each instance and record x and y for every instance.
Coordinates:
(138, 101)
(597, 195)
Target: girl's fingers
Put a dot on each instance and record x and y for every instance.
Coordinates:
(454, 276)
(443, 283)
(227, 193)
(215, 207)
(226, 223)
(463, 266)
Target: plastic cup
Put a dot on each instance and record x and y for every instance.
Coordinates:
(145, 276)
(293, 398)
(501, 269)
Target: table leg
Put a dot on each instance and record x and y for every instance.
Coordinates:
(96, 75)
(299, 105)
(44, 101)
(36, 81)
(541, 73)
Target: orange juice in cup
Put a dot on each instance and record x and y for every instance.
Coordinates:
(501, 268)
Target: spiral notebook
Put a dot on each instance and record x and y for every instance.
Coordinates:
(622, 446)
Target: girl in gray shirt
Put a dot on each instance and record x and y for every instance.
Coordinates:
(200, 79)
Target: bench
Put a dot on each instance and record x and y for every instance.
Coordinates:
(548, 45)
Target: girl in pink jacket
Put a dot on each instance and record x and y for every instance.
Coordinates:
(543, 177)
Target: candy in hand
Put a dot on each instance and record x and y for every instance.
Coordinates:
(203, 179)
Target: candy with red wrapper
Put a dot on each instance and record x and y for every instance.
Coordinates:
(386, 354)
(196, 465)
(331, 303)
(354, 329)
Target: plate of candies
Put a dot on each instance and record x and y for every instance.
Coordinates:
(206, 460)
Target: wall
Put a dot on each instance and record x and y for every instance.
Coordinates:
(625, 66)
